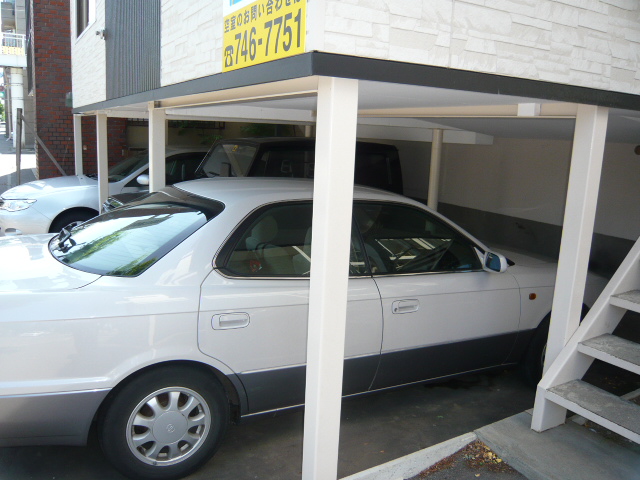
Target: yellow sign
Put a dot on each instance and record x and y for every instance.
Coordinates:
(12, 50)
(262, 31)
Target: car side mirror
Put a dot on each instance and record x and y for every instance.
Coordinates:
(494, 262)
(143, 179)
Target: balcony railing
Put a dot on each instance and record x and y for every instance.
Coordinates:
(12, 44)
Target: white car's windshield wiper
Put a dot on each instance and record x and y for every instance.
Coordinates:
(63, 237)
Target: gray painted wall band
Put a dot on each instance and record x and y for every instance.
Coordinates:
(132, 47)
(497, 230)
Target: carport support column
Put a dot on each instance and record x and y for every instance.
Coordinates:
(103, 157)
(575, 246)
(331, 232)
(434, 173)
(77, 143)
(157, 150)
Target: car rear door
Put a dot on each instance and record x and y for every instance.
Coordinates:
(254, 309)
(442, 313)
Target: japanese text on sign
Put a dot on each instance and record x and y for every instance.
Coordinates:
(262, 31)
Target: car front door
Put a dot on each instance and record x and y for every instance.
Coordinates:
(442, 313)
(254, 309)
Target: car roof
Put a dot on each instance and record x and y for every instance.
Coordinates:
(260, 190)
(252, 192)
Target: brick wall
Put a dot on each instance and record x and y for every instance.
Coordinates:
(54, 120)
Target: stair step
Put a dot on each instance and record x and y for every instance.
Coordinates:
(614, 350)
(627, 300)
(612, 412)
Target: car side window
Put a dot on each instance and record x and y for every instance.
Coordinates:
(277, 242)
(401, 239)
(182, 167)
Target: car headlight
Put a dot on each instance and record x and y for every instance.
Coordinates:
(15, 205)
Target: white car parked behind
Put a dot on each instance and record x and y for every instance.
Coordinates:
(44, 206)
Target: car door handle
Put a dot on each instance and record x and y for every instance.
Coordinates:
(225, 321)
(405, 306)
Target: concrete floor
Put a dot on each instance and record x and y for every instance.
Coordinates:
(375, 429)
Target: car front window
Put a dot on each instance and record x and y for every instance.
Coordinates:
(127, 241)
(125, 168)
(400, 239)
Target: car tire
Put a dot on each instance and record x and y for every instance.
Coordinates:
(533, 362)
(68, 218)
(164, 424)
(534, 357)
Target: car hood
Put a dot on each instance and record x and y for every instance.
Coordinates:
(27, 265)
(40, 188)
(525, 259)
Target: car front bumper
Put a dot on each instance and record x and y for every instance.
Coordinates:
(27, 221)
(48, 419)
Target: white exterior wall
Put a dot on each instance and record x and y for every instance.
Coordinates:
(528, 179)
(191, 40)
(590, 43)
(88, 60)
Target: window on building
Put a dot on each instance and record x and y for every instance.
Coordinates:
(85, 14)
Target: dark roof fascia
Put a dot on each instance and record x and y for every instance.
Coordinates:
(361, 68)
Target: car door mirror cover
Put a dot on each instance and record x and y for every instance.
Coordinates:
(143, 179)
(494, 262)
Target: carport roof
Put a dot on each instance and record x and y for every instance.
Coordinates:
(391, 94)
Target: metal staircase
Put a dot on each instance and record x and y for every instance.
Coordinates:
(561, 387)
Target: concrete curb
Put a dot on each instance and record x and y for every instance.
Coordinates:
(412, 464)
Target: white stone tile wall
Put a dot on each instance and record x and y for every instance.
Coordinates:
(590, 43)
(88, 60)
(191, 40)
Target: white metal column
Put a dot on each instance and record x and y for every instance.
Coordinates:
(575, 247)
(331, 231)
(77, 143)
(434, 172)
(577, 230)
(157, 150)
(103, 157)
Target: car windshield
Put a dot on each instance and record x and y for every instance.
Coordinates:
(227, 160)
(127, 241)
(125, 168)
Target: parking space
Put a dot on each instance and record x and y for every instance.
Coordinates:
(375, 429)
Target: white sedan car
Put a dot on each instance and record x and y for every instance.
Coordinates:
(48, 205)
(168, 318)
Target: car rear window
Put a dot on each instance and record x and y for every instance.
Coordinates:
(127, 241)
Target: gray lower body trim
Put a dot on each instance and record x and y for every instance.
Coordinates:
(48, 419)
(272, 390)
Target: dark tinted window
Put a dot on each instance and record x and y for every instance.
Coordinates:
(403, 239)
(277, 242)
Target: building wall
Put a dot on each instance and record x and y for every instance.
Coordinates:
(590, 43)
(53, 118)
(52, 75)
(88, 58)
(191, 40)
(514, 191)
